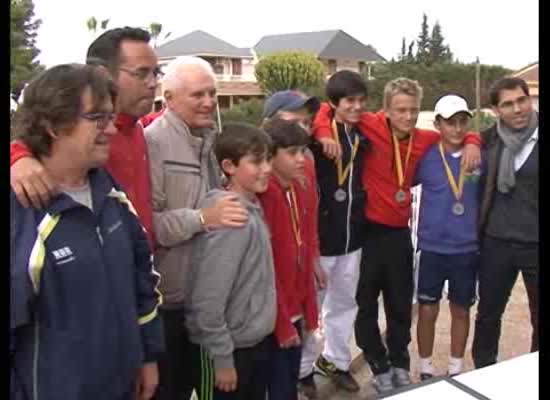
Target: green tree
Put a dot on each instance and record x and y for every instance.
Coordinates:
(403, 54)
(23, 50)
(423, 41)
(91, 24)
(289, 70)
(155, 29)
(410, 55)
(438, 52)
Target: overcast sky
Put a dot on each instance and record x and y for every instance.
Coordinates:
(498, 34)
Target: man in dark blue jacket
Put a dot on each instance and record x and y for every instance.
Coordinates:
(84, 296)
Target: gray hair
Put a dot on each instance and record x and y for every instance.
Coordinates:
(177, 68)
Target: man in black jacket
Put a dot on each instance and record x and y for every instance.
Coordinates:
(509, 215)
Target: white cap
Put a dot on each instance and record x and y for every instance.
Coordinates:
(449, 105)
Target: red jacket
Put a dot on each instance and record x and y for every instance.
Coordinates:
(294, 284)
(147, 119)
(379, 171)
(128, 163)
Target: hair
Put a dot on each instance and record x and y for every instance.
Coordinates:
(177, 68)
(343, 84)
(105, 50)
(401, 86)
(53, 101)
(238, 140)
(507, 83)
(285, 133)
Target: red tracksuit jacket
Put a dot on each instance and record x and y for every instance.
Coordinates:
(294, 283)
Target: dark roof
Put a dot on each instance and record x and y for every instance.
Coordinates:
(200, 43)
(335, 44)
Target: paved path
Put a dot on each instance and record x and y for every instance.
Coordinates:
(515, 341)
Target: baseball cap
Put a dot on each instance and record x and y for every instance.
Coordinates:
(449, 105)
(289, 100)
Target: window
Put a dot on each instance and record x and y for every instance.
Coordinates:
(331, 67)
(362, 67)
(237, 66)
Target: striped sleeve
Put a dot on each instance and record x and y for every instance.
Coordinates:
(148, 295)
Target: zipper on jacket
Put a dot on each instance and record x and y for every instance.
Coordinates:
(99, 236)
(350, 181)
(35, 359)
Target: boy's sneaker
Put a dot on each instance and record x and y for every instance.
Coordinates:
(383, 383)
(342, 379)
(424, 376)
(401, 377)
(307, 387)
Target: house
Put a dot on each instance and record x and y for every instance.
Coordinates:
(335, 49)
(530, 74)
(234, 66)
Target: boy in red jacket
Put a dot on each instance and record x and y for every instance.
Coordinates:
(285, 208)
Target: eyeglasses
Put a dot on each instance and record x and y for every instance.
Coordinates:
(101, 119)
(144, 74)
(521, 102)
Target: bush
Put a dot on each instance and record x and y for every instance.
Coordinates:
(289, 70)
(249, 111)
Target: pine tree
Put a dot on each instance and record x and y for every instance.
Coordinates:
(438, 52)
(23, 51)
(403, 53)
(410, 56)
(423, 41)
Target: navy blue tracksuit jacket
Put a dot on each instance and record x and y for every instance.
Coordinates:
(84, 297)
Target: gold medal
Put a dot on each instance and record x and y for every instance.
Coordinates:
(458, 207)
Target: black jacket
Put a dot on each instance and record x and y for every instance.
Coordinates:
(341, 223)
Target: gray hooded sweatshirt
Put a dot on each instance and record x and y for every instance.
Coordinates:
(231, 300)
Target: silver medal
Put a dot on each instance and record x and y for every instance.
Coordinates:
(458, 208)
(340, 195)
(400, 196)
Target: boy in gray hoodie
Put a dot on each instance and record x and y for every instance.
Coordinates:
(232, 306)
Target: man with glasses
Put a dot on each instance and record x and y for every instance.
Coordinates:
(509, 215)
(124, 54)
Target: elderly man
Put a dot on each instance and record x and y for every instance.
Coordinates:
(124, 54)
(509, 215)
(84, 323)
(183, 169)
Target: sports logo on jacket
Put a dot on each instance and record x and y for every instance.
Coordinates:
(63, 255)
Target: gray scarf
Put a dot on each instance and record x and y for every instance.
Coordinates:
(513, 140)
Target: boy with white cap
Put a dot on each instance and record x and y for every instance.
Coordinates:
(447, 234)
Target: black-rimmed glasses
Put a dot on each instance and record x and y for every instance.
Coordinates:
(101, 119)
(144, 74)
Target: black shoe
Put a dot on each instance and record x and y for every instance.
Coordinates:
(307, 387)
(342, 379)
(424, 376)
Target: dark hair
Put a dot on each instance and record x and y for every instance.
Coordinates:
(105, 50)
(53, 100)
(285, 133)
(240, 139)
(343, 84)
(506, 84)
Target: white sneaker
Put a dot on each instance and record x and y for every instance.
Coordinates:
(401, 377)
(383, 383)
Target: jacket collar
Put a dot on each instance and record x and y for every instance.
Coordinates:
(125, 123)
(100, 185)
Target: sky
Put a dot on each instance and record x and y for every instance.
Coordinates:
(497, 34)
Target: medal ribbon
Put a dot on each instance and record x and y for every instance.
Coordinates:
(457, 189)
(398, 165)
(342, 175)
(295, 217)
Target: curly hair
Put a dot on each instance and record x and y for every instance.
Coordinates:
(52, 102)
